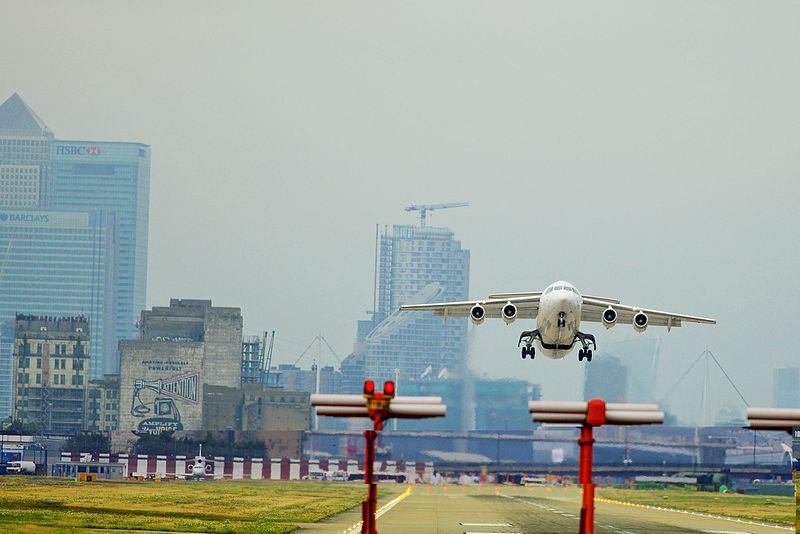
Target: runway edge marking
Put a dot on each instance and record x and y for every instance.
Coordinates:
(699, 514)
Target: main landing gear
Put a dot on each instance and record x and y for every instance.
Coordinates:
(528, 349)
(585, 352)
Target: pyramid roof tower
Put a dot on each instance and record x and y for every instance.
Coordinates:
(16, 118)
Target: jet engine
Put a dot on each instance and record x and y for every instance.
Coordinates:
(477, 314)
(640, 321)
(609, 317)
(509, 313)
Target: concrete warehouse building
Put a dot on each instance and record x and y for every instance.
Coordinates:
(182, 348)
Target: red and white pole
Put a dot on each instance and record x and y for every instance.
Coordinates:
(369, 506)
(595, 416)
(585, 480)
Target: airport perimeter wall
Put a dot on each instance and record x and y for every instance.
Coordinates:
(243, 468)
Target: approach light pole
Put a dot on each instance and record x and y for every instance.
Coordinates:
(589, 415)
(378, 407)
(785, 419)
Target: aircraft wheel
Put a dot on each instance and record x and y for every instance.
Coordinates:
(532, 352)
(580, 355)
(589, 355)
(524, 352)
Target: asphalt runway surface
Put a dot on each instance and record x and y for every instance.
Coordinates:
(528, 510)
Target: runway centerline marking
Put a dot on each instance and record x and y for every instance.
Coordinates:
(383, 509)
(485, 524)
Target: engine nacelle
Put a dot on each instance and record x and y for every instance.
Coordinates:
(609, 317)
(640, 321)
(477, 314)
(509, 313)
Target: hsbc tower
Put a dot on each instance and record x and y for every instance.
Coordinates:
(114, 176)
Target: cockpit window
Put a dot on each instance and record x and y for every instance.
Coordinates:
(549, 289)
(558, 288)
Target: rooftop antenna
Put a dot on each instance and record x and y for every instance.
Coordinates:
(423, 209)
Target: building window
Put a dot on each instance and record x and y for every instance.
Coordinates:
(38, 363)
(77, 380)
(38, 379)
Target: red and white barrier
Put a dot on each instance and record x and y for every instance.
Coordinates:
(243, 468)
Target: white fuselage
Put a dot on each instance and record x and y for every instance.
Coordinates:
(199, 469)
(559, 300)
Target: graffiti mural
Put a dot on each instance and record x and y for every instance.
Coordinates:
(154, 403)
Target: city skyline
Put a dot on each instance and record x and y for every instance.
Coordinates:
(52, 188)
(663, 173)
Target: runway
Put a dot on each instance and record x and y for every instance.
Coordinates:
(514, 509)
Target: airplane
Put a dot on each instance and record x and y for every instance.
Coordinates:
(558, 311)
(200, 469)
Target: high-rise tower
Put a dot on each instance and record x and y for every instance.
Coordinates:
(25, 168)
(87, 198)
(414, 264)
(116, 177)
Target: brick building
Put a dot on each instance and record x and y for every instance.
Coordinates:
(51, 372)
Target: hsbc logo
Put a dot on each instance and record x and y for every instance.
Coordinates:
(71, 150)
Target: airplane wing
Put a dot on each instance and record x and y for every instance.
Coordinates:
(593, 312)
(527, 307)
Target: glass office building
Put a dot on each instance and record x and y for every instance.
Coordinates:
(786, 387)
(112, 176)
(25, 168)
(56, 263)
(415, 265)
(38, 171)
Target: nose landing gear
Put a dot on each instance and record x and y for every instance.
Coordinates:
(561, 319)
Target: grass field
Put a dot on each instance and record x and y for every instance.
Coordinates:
(763, 508)
(796, 479)
(38, 504)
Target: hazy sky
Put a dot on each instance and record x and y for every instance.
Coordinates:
(648, 151)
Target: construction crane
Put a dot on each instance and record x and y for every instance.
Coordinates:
(266, 359)
(423, 209)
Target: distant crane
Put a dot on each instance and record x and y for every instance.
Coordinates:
(266, 357)
(423, 209)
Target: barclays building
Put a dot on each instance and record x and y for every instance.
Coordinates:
(59, 263)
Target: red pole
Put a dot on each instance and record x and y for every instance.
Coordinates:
(585, 479)
(369, 506)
